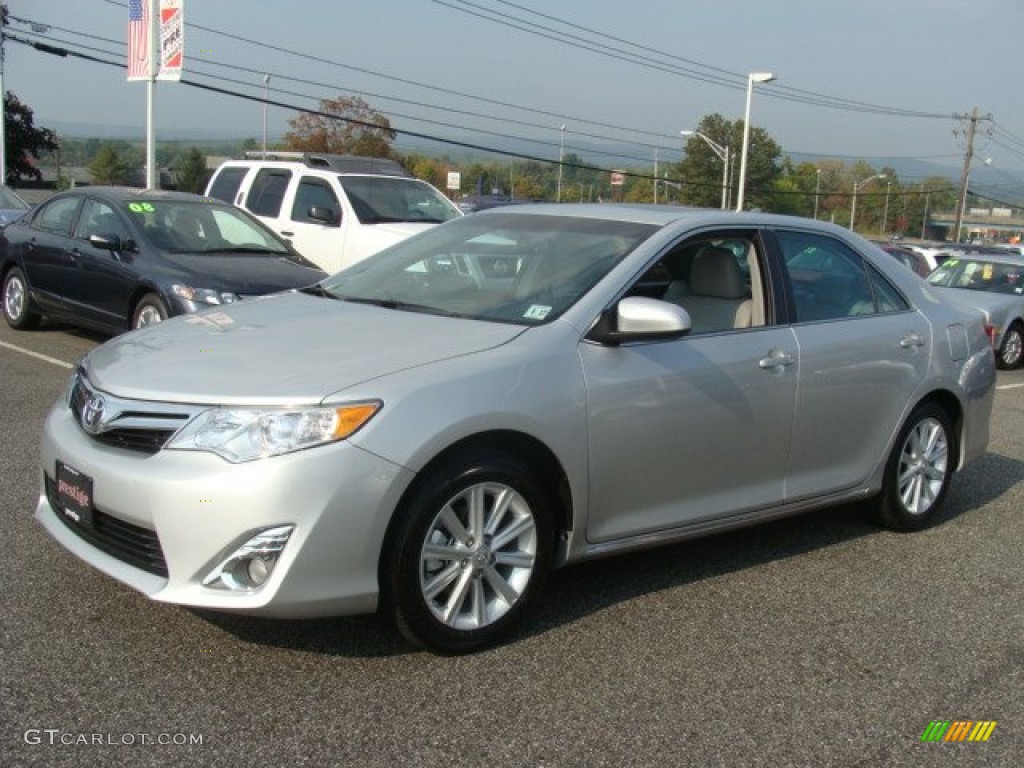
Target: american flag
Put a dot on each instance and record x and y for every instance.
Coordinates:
(139, 40)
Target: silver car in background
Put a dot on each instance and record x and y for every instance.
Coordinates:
(994, 285)
(432, 430)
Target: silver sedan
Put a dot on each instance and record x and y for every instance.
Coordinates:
(432, 430)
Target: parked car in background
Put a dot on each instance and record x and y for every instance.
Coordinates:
(913, 260)
(428, 435)
(995, 285)
(334, 209)
(113, 258)
(12, 207)
(934, 253)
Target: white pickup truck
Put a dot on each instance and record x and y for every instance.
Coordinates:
(335, 209)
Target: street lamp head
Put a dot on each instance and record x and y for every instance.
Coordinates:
(761, 77)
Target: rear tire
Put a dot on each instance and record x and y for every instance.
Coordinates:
(919, 470)
(1011, 352)
(17, 302)
(469, 553)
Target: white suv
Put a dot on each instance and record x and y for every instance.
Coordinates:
(335, 209)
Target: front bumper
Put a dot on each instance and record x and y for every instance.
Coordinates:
(198, 507)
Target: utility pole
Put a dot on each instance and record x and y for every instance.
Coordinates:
(965, 174)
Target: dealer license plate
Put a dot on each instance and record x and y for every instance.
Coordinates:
(74, 493)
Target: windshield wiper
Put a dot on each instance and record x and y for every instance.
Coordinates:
(247, 249)
(402, 305)
(318, 290)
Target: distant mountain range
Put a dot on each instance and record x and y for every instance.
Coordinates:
(1001, 185)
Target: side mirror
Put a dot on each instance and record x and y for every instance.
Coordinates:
(637, 318)
(323, 215)
(107, 241)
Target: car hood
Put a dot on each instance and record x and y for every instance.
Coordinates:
(245, 274)
(290, 348)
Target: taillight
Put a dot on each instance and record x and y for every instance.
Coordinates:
(991, 331)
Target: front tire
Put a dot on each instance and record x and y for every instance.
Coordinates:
(149, 311)
(18, 310)
(469, 553)
(1011, 352)
(919, 470)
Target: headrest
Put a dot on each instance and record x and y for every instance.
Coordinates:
(715, 272)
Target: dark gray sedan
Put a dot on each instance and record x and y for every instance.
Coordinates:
(112, 258)
(431, 430)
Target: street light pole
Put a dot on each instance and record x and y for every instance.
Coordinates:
(723, 155)
(817, 191)
(857, 186)
(885, 212)
(266, 98)
(753, 77)
(561, 155)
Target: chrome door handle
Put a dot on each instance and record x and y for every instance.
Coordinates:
(776, 359)
(911, 340)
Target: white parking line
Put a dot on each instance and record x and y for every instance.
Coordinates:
(1011, 386)
(30, 353)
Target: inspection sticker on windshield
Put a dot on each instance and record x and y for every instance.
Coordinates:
(536, 312)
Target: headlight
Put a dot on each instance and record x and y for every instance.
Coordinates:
(244, 434)
(202, 295)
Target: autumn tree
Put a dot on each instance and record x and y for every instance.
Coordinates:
(342, 126)
(23, 141)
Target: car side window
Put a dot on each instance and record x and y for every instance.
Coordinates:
(315, 193)
(267, 192)
(828, 279)
(225, 185)
(98, 218)
(57, 215)
(716, 278)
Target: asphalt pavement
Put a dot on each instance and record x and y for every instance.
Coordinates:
(820, 640)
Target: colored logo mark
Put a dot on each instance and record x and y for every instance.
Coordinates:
(958, 730)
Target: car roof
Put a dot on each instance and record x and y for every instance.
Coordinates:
(995, 258)
(662, 215)
(132, 194)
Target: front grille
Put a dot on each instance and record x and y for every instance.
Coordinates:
(129, 543)
(131, 425)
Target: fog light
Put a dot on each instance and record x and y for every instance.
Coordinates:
(248, 567)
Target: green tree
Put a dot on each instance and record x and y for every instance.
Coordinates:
(23, 141)
(109, 167)
(702, 169)
(346, 125)
(191, 174)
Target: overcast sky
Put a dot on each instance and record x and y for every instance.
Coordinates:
(635, 72)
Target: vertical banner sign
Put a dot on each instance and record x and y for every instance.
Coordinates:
(172, 39)
(139, 36)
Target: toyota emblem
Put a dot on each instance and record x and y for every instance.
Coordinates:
(92, 413)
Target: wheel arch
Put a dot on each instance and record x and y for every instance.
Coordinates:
(537, 456)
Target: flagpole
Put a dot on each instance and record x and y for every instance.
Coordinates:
(152, 181)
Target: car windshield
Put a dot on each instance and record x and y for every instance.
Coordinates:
(183, 226)
(525, 269)
(382, 199)
(979, 275)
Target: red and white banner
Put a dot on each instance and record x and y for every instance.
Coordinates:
(140, 37)
(172, 39)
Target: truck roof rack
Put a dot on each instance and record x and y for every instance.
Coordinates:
(341, 163)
